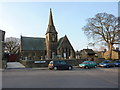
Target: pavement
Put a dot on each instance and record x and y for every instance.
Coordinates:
(14, 65)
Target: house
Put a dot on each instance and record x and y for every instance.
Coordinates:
(98, 54)
(78, 55)
(86, 54)
(115, 54)
(47, 48)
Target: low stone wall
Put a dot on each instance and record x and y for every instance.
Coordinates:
(44, 63)
(27, 63)
(99, 60)
(75, 62)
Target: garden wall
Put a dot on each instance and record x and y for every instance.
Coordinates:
(44, 63)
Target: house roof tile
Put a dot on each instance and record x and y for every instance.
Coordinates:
(32, 43)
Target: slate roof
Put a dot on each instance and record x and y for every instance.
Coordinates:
(51, 29)
(89, 51)
(59, 42)
(63, 40)
(77, 52)
(32, 43)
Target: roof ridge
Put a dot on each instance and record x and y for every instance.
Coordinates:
(30, 37)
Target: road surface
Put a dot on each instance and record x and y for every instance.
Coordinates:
(76, 78)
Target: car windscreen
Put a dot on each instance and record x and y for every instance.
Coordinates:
(85, 63)
(93, 62)
(117, 61)
(60, 62)
(106, 61)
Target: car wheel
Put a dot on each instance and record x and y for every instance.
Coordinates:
(55, 68)
(50, 68)
(95, 66)
(118, 65)
(70, 68)
(86, 67)
(107, 66)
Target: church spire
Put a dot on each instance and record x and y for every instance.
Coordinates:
(51, 27)
(51, 18)
(51, 38)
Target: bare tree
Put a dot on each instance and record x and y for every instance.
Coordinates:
(103, 28)
(12, 45)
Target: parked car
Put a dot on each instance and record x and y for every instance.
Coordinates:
(88, 64)
(117, 63)
(107, 64)
(59, 64)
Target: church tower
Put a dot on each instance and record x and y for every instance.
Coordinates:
(51, 38)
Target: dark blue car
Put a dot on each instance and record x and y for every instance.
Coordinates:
(59, 65)
(117, 63)
(107, 64)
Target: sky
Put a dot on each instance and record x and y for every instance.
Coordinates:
(31, 18)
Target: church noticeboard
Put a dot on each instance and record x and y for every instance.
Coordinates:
(39, 61)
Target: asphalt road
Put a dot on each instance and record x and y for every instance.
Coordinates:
(76, 78)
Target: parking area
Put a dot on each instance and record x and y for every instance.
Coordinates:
(45, 78)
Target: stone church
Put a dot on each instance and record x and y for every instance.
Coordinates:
(47, 48)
